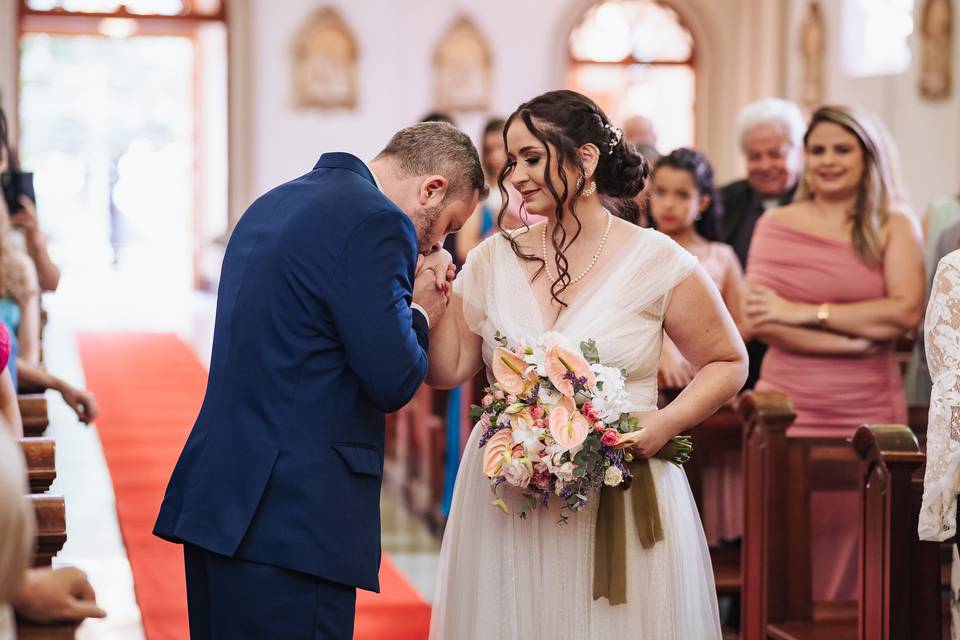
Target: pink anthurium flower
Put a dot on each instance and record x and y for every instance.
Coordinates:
(560, 362)
(511, 371)
(569, 430)
(494, 450)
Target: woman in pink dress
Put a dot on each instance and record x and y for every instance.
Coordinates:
(833, 279)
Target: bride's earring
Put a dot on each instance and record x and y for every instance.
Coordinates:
(579, 182)
(591, 188)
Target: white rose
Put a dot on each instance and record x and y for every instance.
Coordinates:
(518, 472)
(610, 398)
(612, 476)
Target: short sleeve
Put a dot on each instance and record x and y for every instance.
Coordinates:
(473, 283)
(672, 264)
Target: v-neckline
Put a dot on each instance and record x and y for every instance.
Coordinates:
(571, 307)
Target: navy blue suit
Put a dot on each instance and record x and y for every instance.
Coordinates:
(314, 342)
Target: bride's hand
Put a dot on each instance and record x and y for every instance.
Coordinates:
(648, 439)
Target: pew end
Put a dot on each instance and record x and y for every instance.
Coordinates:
(40, 455)
(51, 517)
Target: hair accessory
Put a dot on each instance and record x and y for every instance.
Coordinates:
(616, 134)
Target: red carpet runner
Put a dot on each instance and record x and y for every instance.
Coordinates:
(150, 387)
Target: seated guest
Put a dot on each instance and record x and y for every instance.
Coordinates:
(832, 281)
(941, 482)
(24, 219)
(770, 134)
(9, 409)
(38, 595)
(685, 205)
(20, 312)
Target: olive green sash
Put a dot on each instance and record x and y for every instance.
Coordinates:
(610, 548)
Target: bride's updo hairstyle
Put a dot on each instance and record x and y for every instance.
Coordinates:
(563, 121)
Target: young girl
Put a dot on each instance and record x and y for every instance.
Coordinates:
(685, 205)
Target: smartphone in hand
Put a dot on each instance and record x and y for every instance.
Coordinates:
(15, 184)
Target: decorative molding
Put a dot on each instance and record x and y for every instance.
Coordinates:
(325, 61)
(813, 42)
(462, 69)
(936, 50)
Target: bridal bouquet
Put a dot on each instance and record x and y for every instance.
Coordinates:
(552, 422)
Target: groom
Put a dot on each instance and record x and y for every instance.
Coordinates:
(322, 319)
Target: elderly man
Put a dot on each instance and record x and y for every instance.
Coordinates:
(770, 133)
(640, 132)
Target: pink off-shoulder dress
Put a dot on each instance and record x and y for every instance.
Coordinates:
(832, 395)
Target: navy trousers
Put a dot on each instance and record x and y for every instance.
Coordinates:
(233, 599)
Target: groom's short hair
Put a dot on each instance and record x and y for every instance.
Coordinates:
(428, 148)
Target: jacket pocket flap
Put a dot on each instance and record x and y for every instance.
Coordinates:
(360, 459)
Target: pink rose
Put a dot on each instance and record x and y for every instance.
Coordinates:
(536, 411)
(487, 401)
(599, 426)
(511, 399)
(498, 395)
(610, 437)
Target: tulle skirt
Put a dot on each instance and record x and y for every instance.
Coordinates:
(502, 577)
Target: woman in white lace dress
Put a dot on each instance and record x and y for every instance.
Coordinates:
(941, 484)
(586, 275)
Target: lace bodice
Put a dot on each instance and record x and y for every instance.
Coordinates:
(621, 307)
(941, 483)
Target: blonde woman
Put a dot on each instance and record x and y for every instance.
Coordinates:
(833, 280)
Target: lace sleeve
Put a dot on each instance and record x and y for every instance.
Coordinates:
(941, 483)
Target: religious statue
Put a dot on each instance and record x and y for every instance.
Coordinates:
(812, 47)
(936, 50)
(462, 69)
(325, 63)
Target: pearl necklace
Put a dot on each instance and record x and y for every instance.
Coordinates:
(596, 255)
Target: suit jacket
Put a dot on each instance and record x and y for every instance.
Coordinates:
(742, 207)
(314, 342)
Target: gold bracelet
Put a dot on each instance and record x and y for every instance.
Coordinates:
(823, 314)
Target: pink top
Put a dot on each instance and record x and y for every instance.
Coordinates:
(717, 262)
(4, 347)
(827, 391)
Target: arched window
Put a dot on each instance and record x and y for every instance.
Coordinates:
(636, 57)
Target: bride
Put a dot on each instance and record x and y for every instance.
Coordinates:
(585, 274)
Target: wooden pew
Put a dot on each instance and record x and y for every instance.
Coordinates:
(51, 517)
(426, 458)
(414, 456)
(720, 432)
(779, 475)
(40, 454)
(33, 410)
(899, 574)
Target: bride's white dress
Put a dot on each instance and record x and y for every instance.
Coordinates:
(502, 577)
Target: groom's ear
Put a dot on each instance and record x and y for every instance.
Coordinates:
(432, 190)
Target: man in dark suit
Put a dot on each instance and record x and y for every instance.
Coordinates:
(322, 326)
(770, 133)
